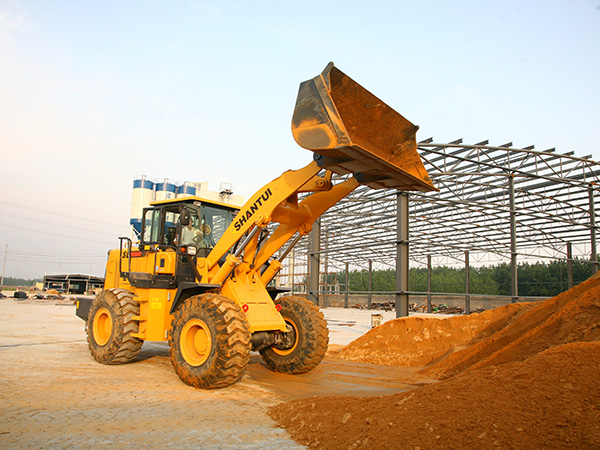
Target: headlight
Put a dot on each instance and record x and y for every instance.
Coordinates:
(191, 250)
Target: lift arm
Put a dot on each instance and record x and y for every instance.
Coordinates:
(259, 209)
(351, 132)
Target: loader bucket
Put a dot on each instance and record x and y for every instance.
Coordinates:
(352, 131)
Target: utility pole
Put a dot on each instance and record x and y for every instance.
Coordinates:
(4, 267)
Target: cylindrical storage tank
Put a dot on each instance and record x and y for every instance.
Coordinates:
(166, 191)
(141, 196)
(185, 190)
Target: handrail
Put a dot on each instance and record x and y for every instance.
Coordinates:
(129, 241)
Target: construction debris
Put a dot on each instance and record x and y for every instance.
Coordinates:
(418, 308)
(384, 306)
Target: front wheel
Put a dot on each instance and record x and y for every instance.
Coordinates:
(209, 342)
(111, 323)
(310, 337)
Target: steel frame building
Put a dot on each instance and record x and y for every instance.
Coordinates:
(495, 204)
(73, 283)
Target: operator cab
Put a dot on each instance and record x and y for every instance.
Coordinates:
(190, 225)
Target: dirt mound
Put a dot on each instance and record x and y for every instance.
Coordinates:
(525, 378)
(573, 316)
(417, 341)
(508, 333)
(548, 401)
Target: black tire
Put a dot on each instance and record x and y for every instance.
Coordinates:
(311, 338)
(110, 327)
(209, 342)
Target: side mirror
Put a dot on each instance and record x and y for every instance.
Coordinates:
(184, 218)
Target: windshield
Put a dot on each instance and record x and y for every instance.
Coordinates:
(206, 226)
(214, 223)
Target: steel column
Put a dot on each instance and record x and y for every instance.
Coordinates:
(514, 279)
(429, 283)
(326, 275)
(314, 266)
(402, 296)
(291, 263)
(467, 285)
(594, 254)
(569, 265)
(347, 285)
(370, 296)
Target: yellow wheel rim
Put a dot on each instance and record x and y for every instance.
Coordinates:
(102, 326)
(287, 351)
(195, 342)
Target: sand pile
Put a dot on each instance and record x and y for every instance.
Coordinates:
(417, 341)
(549, 401)
(527, 380)
(573, 316)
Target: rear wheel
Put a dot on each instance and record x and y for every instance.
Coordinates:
(209, 342)
(310, 337)
(110, 327)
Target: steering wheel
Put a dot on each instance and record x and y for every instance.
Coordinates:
(206, 230)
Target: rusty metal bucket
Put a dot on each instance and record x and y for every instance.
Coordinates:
(352, 131)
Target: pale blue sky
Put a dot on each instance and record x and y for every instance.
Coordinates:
(94, 93)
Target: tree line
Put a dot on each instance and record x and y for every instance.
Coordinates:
(536, 280)
(19, 282)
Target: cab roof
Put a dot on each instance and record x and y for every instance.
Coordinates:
(190, 200)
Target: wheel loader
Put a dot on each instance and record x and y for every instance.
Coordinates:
(200, 275)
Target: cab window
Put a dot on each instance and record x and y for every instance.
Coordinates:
(171, 228)
(151, 232)
(214, 223)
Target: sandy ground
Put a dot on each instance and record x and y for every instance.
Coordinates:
(54, 395)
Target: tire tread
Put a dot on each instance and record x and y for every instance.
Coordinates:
(122, 347)
(232, 336)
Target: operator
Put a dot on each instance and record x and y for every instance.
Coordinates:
(190, 235)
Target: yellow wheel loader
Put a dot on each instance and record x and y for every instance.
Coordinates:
(199, 276)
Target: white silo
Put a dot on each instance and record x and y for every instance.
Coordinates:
(186, 190)
(166, 191)
(141, 196)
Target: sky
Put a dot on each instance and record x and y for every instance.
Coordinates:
(94, 94)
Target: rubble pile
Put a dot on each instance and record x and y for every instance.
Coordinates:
(417, 308)
(384, 306)
(526, 380)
